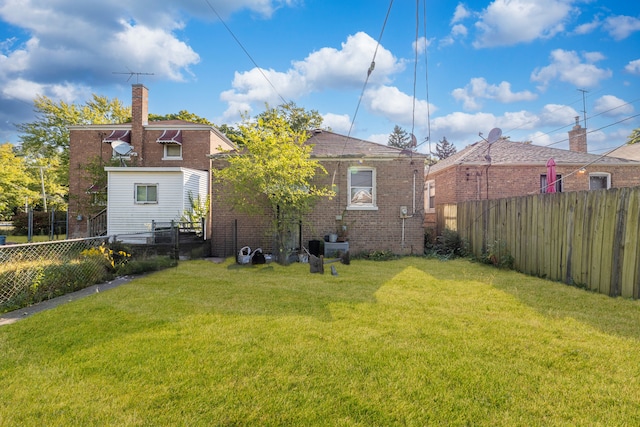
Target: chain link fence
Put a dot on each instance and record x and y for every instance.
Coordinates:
(35, 272)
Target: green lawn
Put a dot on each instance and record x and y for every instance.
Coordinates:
(408, 342)
(11, 239)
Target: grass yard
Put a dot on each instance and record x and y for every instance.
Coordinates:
(407, 342)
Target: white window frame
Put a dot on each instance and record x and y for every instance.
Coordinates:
(362, 206)
(144, 202)
(166, 152)
(430, 186)
(600, 175)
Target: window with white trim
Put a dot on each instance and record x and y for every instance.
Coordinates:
(146, 193)
(362, 188)
(599, 181)
(430, 197)
(172, 152)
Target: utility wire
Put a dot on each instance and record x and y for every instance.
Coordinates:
(246, 52)
(366, 81)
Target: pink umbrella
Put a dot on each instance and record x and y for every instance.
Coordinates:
(551, 176)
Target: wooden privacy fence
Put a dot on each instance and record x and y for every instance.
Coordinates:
(588, 238)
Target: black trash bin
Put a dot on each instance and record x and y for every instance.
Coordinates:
(314, 247)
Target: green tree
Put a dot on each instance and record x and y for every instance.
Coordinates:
(182, 115)
(399, 138)
(444, 149)
(273, 174)
(634, 138)
(297, 118)
(16, 184)
(232, 133)
(48, 136)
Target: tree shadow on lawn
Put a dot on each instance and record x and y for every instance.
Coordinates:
(617, 316)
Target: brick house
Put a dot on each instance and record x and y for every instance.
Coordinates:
(507, 169)
(378, 204)
(162, 159)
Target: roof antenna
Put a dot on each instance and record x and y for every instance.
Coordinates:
(133, 73)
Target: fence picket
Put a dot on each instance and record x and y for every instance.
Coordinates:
(585, 238)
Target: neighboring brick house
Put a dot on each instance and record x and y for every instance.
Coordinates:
(173, 148)
(378, 203)
(507, 169)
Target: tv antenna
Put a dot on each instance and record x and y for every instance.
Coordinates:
(133, 73)
(584, 106)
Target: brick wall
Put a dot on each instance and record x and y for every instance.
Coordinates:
(367, 230)
(463, 183)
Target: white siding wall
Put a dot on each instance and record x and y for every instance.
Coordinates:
(125, 216)
(195, 183)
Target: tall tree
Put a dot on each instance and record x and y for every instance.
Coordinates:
(273, 173)
(48, 136)
(634, 138)
(232, 133)
(444, 149)
(182, 115)
(297, 118)
(16, 184)
(399, 138)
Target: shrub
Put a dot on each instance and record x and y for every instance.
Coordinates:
(498, 255)
(156, 263)
(450, 245)
(384, 255)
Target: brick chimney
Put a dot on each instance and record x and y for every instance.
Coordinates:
(139, 116)
(578, 138)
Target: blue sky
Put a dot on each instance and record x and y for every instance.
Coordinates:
(527, 67)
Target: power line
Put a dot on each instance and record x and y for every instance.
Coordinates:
(246, 52)
(369, 71)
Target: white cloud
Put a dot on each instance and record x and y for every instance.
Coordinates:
(478, 88)
(155, 49)
(509, 22)
(557, 115)
(339, 123)
(346, 67)
(620, 27)
(422, 44)
(588, 27)
(612, 106)
(459, 30)
(567, 66)
(633, 67)
(380, 138)
(460, 13)
(397, 106)
(325, 69)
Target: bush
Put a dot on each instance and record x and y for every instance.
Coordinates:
(384, 255)
(450, 245)
(148, 264)
(497, 254)
(41, 223)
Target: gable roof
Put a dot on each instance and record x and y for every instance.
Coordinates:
(327, 144)
(505, 152)
(627, 151)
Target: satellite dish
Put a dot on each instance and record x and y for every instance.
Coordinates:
(494, 135)
(121, 148)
